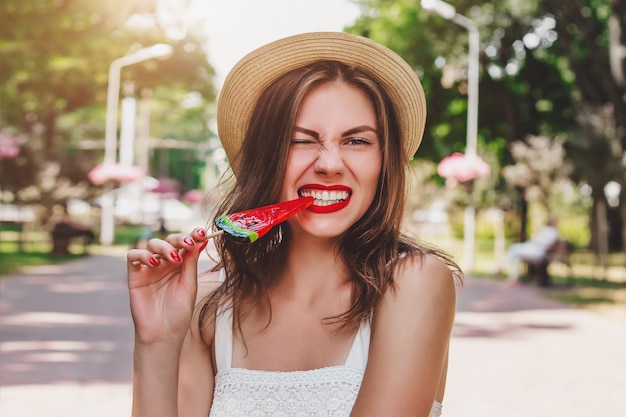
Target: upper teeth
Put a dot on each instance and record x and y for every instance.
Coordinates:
(327, 197)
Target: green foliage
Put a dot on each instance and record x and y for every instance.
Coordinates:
(128, 235)
(576, 230)
(53, 84)
(14, 256)
(401, 25)
(547, 68)
(12, 261)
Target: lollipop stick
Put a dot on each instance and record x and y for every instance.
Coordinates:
(211, 235)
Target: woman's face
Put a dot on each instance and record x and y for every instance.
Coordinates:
(335, 156)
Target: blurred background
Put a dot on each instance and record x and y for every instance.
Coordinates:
(107, 119)
(108, 137)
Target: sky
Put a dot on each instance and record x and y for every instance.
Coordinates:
(236, 27)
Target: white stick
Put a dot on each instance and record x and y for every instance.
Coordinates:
(219, 232)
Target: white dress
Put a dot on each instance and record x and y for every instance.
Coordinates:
(328, 392)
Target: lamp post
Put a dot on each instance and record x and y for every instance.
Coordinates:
(110, 131)
(447, 11)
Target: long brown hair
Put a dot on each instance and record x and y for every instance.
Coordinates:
(370, 248)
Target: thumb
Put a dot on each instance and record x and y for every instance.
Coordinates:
(190, 263)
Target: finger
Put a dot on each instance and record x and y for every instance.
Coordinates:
(181, 241)
(137, 257)
(199, 234)
(190, 263)
(165, 250)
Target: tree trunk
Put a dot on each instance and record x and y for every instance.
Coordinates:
(523, 216)
(49, 132)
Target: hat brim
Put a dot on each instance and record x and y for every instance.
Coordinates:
(260, 68)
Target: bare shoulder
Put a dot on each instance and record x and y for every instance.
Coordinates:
(424, 289)
(424, 276)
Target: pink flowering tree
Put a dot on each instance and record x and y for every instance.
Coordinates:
(9, 148)
(460, 168)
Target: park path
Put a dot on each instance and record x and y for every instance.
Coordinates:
(66, 349)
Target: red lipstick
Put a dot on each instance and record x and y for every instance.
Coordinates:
(311, 189)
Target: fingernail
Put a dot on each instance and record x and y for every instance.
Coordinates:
(175, 256)
(203, 246)
(154, 261)
(201, 232)
(189, 241)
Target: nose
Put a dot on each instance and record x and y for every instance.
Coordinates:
(329, 161)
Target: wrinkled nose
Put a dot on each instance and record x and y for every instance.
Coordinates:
(329, 161)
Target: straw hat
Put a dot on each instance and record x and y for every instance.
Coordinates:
(260, 68)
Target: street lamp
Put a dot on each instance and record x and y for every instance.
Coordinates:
(110, 130)
(447, 11)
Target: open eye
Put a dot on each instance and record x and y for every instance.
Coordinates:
(358, 141)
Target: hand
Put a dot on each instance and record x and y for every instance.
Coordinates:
(162, 282)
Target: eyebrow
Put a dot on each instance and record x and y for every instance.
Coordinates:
(348, 132)
(359, 129)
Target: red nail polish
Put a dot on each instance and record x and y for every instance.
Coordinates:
(201, 232)
(189, 241)
(175, 256)
(154, 261)
(206, 242)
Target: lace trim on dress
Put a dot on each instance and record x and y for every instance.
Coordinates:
(435, 411)
(328, 392)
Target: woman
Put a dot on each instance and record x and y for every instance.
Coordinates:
(334, 312)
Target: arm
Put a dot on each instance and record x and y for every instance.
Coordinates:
(196, 373)
(162, 281)
(410, 336)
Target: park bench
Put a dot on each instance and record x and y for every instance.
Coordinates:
(63, 234)
(538, 270)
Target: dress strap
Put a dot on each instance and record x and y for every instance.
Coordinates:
(357, 358)
(223, 339)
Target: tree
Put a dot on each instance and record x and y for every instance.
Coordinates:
(540, 170)
(53, 77)
(592, 40)
(547, 68)
(514, 102)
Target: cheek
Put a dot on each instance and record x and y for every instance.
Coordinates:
(370, 167)
(369, 171)
(301, 159)
(297, 163)
(373, 183)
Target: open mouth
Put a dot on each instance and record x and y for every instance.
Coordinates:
(324, 198)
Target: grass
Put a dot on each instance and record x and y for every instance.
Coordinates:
(606, 294)
(13, 260)
(36, 249)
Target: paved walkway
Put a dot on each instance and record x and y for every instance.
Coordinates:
(66, 349)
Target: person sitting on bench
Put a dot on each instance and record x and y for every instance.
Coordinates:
(532, 250)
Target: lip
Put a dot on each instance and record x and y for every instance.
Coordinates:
(332, 207)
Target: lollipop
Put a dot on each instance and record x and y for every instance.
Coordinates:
(249, 225)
